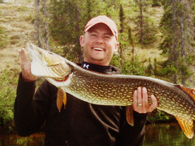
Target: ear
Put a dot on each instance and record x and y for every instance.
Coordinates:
(116, 47)
(81, 40)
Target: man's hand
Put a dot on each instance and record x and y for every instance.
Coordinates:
(26, 67)
(140, 101)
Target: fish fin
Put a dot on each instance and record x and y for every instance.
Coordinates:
(64, 99)
(129, 115)
(61, 99)
(186, 126)
(189, 91)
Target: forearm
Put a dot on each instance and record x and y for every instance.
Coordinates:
(25, 114)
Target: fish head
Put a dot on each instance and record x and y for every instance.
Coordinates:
(48, 64)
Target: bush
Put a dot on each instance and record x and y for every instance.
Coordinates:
(159, 116)
(7, 97)
(134, 67)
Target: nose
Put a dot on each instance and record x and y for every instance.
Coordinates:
(99, 40)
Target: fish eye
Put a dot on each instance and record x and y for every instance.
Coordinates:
(50, 53)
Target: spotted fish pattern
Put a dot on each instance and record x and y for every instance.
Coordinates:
(104, 89)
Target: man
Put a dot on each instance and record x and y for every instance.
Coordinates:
(81, 123)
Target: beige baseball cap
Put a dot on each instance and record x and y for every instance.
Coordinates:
(105, 20)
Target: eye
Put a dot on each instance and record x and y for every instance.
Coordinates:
(107, 36)
(93, 34)
(193, 91)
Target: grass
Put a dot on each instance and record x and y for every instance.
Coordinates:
(16, 29)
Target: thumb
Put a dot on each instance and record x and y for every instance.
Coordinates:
(154, 103)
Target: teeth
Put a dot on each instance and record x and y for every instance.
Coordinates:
(99, 49)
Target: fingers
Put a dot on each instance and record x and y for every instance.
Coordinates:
(145, 99)
(135, 102)
(26, 67)
(140, 101)
(139, 95)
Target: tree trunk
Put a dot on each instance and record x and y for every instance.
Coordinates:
(45, 25)
(182, 48)
(173, 51)
(79, 53)
(141, 22)
(132, 44)
(121, 15)
(37, 22)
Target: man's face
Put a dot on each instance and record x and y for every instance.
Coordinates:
(99, 45)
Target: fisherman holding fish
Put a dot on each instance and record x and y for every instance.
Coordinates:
(80, 123)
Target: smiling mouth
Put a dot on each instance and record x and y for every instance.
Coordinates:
(98, 49)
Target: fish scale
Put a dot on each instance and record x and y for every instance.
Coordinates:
(117, 90)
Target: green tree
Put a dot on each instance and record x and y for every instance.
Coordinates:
(121, 31)
(178, 32)
(65, 27)
(131, 42)
(146, 30)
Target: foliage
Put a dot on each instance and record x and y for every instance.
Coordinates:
(145, 29)
(150, 32)
(7, 98)
(158, 116)
(156, 3)
(133, 67)
(36, 140)
(167, 70)
(129, 67)
(178, 31)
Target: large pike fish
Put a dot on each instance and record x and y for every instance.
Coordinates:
(106, 89)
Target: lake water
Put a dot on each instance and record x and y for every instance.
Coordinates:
(166, 135)
(156, 135)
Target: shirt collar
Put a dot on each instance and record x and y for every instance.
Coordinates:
(97, 68)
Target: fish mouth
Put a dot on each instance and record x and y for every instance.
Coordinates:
(62, 80)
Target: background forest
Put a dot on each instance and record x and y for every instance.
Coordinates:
(165, 25)
(61, 22)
